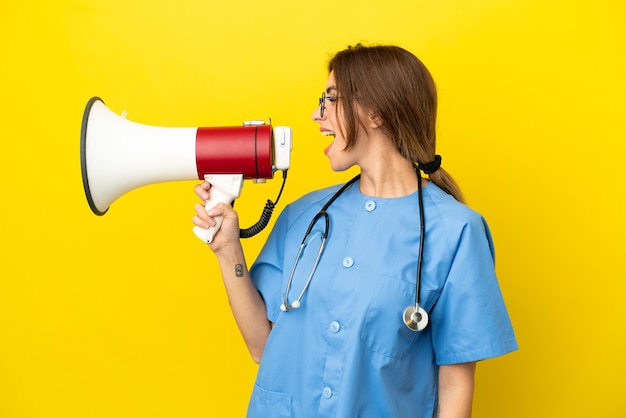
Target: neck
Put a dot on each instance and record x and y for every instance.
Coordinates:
(384, 171)
(389, 179)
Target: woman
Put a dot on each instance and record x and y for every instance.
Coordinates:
(332, 336)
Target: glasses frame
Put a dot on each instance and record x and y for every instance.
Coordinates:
(322, 103)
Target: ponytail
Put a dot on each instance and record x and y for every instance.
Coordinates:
(446, 183)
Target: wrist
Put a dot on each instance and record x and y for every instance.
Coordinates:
(231, 253)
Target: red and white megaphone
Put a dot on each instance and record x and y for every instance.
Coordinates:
(118, 155)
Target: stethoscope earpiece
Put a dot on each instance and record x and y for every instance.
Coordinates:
(294, 305)
(415, 318)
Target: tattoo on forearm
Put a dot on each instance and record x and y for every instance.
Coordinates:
(239, 270)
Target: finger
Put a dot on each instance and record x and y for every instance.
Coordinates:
(202, 190)
(197, 221)
(202, 215)
(220, 209)
(200, 210)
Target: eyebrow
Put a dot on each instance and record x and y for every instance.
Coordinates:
(330, 88)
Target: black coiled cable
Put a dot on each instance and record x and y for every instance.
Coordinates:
(266, 215)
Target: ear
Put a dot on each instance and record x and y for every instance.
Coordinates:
(374, 121)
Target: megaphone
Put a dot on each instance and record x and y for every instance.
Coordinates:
(118, 155)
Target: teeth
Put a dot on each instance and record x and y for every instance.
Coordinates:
(328, 133)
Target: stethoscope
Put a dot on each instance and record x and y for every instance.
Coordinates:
(414, 316)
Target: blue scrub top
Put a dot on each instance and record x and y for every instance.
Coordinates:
(346, 351)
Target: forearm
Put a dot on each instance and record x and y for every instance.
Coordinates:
(456, 390)
(245, 301)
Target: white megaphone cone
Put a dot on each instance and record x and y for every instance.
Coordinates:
(118, 156)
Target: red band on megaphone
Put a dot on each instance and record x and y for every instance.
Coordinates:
(243, 150)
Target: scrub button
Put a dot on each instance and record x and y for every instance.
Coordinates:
(370, 205)
(348, 262)
(327, 392)
(334, 327)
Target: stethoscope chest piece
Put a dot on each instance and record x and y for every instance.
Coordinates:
(415, 318)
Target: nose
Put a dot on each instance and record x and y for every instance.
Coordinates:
(316, 115)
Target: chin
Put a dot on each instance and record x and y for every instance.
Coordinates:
(337, 167)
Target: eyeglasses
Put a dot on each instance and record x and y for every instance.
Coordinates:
(322, 103)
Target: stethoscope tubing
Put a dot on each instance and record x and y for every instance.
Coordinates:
(420, 255)
(286, 306)
(414, 316)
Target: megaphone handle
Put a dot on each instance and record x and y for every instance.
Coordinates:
(224, 188)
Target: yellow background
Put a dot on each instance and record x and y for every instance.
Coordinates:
(125, 315)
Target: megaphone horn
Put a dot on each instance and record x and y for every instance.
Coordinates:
(118, 155)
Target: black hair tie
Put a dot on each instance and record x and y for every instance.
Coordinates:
(430, 167)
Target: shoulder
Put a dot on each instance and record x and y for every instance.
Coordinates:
(457, 220)
(316, 196)
(449, 208)
(314, 200)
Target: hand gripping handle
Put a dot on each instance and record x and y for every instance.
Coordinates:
(224, 188)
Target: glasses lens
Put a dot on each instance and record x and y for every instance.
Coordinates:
(322, 103)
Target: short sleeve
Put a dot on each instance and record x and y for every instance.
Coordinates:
(470, 321)
(267, 270)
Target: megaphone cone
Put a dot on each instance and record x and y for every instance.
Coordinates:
(118, 155)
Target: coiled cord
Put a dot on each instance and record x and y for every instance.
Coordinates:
(266, 215)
